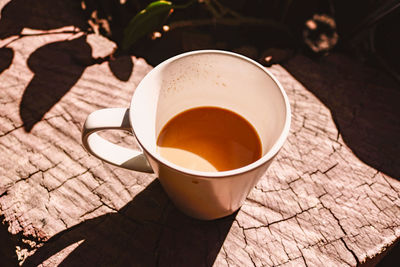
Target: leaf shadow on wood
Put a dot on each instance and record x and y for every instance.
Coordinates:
(148, 231)
(121, 67)
(6, 57)
(56, 67)
(364, 103)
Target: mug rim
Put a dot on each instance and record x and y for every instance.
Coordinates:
(271, 153)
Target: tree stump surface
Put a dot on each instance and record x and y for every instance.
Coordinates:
(331, 196)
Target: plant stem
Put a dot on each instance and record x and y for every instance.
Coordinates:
(212, 9)
(226, 10)
(229, 22)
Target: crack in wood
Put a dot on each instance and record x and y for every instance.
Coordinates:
(284, 249)
(344, 232)
(351, 251)
(257, 187)
(279, 221)
(36, 172)
(290, 260)
(302, 256)
(91, 211)
(12, 130)
(334, 216)
(226, 257)
(65, 181)
(5, 193)
(245, 241)
(251, 258)
(62, 220)
(330, 168)
(390, 185)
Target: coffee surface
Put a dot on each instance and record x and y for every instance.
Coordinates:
(209, 139)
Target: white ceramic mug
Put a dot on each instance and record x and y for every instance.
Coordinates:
(209, 78)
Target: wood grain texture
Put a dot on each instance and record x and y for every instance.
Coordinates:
(320, 202)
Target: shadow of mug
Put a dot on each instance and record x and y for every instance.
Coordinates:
(148, 231)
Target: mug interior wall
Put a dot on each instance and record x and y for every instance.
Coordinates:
(219, 80)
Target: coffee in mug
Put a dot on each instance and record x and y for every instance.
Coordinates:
(209, 139)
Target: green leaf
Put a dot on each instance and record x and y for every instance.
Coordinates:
(146, 21)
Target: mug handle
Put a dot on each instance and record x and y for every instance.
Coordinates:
(112, 119)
